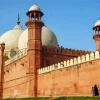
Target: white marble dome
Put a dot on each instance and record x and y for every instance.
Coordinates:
(1, 41)
(97, 23)
(34, 7)
(11, 37)
(48, 38)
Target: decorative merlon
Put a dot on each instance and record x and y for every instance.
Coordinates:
(71, 62)
(65, 51)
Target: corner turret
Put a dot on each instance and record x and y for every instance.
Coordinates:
(2, 48)
(96, 36)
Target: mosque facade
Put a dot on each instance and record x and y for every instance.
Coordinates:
(33, 65)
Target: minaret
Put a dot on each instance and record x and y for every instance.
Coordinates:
(2, 47)
(34, 25)
(96, 36)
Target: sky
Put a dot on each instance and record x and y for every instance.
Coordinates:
(71, 20)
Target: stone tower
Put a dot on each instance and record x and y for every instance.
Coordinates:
(2, 48)
(96, 36)
(34, 25)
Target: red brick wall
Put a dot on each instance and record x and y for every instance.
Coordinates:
(49, 58)
(74, 80)
(15, 80)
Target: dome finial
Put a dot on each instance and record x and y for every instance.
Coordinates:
(35, 2)
(18, 22)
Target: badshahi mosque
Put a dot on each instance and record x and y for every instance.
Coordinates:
(32, 64)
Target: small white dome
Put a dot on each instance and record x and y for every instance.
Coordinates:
(34, 7)
(97, 23)
(48, 38)
(10, 38)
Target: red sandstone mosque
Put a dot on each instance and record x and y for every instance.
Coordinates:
(33, 65)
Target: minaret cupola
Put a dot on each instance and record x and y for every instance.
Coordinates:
(34, 13)
(96, 36)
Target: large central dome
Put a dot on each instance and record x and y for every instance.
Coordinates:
(47, 36)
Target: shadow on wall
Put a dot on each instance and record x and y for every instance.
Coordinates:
(12, 53)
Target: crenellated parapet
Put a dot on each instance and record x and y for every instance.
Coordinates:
(64, 51)
(71, 62)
